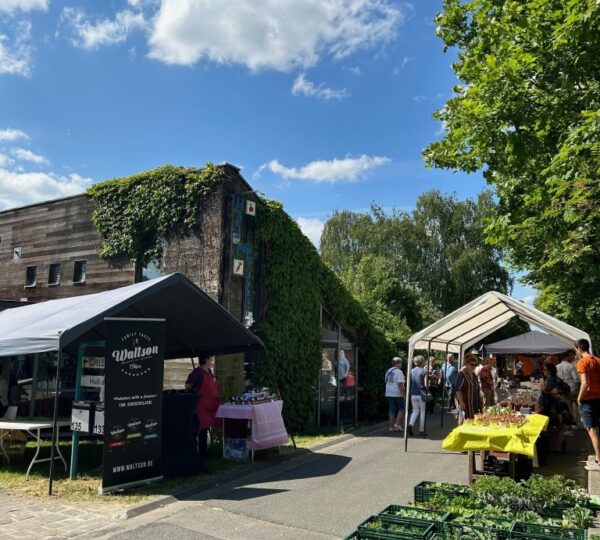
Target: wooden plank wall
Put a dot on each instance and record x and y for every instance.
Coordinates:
(55, 232)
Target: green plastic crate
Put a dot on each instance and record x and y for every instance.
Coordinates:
(420, 514)
(532, 531)
(391, 529)
(501, 531)
(425, 490)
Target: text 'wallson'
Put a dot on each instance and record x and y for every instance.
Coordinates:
(138, 352)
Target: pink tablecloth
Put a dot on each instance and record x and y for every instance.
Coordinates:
(268, 429)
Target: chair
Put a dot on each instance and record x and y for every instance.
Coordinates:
(11, 413)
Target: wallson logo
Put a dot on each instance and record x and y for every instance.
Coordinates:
(137, 348)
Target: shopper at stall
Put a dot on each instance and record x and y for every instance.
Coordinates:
(449, 375)
(395, 394)
(202, 381)
(468, 392)
(588, 398)
(486, 380)
(3, 394)
(418, 386)
(434, 384)
(567, 371)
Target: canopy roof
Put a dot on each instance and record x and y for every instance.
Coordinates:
(530, 343)
(195, 323)
(480, 317)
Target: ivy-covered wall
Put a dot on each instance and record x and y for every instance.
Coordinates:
(296, 281)
(135, 215)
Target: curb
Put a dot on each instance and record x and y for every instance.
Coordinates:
(141, 508)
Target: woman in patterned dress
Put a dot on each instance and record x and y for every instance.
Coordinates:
(468, 392)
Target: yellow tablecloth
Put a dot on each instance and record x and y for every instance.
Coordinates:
(503, 439)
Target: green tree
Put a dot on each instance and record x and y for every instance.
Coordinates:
(527, 113)
(408, 268)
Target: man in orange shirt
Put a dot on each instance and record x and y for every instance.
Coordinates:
(588, 399)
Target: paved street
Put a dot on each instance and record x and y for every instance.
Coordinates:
(320, 495)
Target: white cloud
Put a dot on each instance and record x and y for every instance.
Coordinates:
(93, 34)
(15, 57)
(269, 34)
(304, 87)
(27, 155)
(419, 99)
(5, 160)
(13, 135)
(20, 188)
(11, 6)
(356, 71)
(312, 228)
(348, 169)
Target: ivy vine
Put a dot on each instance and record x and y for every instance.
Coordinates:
(296, 281)
(134, 214)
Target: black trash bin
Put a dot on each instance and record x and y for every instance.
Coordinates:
(180, 426)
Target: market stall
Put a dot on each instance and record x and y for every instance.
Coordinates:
(468, 325)
(167, 317)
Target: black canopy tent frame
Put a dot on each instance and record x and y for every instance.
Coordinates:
(207, 326)
(478, 307)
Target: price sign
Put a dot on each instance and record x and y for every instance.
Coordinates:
(98, 422)
(93, 362)
(94, 381)
(80, 419)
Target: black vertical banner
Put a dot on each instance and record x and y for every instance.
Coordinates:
(133, 375)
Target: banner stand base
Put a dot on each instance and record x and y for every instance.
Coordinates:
(109, 489)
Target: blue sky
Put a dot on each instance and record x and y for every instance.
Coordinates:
(323, 104)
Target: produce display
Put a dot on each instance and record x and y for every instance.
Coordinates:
(540, 508)
(496, 416)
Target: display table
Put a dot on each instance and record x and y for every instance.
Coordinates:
(510, 440)
(267, 429)
(34, 429)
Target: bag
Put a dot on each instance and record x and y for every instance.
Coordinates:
(562, 387)
(426, 395)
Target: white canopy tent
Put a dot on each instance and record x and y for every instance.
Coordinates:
(533, 342)
(466, 326)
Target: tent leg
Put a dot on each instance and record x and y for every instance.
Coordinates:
(54, 422)
(407, 396)
(444, 389)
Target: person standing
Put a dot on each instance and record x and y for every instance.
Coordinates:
(588, 398)
(395, 394)
(468, 392)
(567, 372)
(418, 383)
(486, 380)
(343, 369)
(202, 381)
(434, 384)
(449, 375)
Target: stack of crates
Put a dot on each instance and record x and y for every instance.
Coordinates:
(412, 523)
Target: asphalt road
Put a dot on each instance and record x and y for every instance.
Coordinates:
(319, 496)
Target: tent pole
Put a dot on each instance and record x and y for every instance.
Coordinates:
(428, 383)
(407, 394)
(54, 421)
(444, 387)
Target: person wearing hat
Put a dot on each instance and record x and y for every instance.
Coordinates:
(395, 393)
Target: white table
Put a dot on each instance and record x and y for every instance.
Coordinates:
(34, 429)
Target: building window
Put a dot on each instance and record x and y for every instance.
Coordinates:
(79, 271)
(54, 274)
(31, 276)
(16, 254)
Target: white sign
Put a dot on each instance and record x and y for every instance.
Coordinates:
(238, 267)
(93, 362)
(250, 208)
(95, 381)
(99, 422)
(80, 420)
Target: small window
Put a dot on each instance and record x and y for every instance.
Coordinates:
(79, 271)
(31, 276)
(54, 274)
(17, 253)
